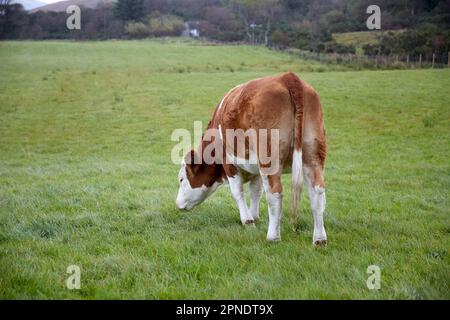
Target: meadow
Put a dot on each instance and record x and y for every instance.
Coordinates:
(86, 178)
(361, 38)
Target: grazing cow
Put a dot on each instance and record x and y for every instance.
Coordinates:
(291, 107)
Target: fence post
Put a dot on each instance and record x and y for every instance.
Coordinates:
(420, 61)
(449, 59)
(434, 57)
(407, 60)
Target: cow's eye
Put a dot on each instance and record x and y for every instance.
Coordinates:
(181, 180)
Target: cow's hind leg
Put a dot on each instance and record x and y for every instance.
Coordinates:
(255, 196)
(316, 191)
(273, 189)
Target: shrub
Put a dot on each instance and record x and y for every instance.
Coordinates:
(137, 30)
(370, 49)
(334, 47)
(280, 38)
(161, 25)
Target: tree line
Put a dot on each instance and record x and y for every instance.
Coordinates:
(302, 24)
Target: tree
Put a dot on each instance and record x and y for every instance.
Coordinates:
(13, 19)
(257, 17)
(129, 10)
(221, 23)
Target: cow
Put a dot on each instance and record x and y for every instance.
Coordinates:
(283, 103)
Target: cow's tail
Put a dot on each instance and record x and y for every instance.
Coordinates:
(296, 91)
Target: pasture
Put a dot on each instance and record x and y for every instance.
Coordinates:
(86, 178)
(361, 38)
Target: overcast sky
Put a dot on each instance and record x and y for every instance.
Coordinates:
(49, 1)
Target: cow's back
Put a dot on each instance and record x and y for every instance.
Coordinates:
(261, 104)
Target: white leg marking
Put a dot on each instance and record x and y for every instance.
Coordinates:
(237, 191)
(275, 201)
(318, 201)
(255, 196)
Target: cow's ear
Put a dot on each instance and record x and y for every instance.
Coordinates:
(192, 160)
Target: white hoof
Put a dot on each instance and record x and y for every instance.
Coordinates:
(273, 238)
(320, 237)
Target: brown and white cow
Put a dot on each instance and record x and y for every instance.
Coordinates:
(292, 107)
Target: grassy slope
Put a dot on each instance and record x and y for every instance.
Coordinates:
(361, 38)
(86, 178)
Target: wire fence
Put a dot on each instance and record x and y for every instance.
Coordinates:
(376, 62)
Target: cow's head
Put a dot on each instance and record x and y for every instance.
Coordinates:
(198, 181)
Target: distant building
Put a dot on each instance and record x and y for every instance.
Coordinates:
(189, 31)
(194, 33)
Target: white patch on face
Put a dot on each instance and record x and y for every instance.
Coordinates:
(189, 197)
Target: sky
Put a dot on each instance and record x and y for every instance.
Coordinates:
(49, 1)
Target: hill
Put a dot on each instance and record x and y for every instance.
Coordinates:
(61, 6)
(30, 4)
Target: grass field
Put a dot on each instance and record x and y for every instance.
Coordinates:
(86, 178)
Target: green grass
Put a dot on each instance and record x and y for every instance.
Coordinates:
(86, 178)
(361, 38)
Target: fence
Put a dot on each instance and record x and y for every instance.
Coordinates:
(359, 61)
(378, 61)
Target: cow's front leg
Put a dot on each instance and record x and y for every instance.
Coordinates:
(273, 189)
(237, 191)
(255, 196)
